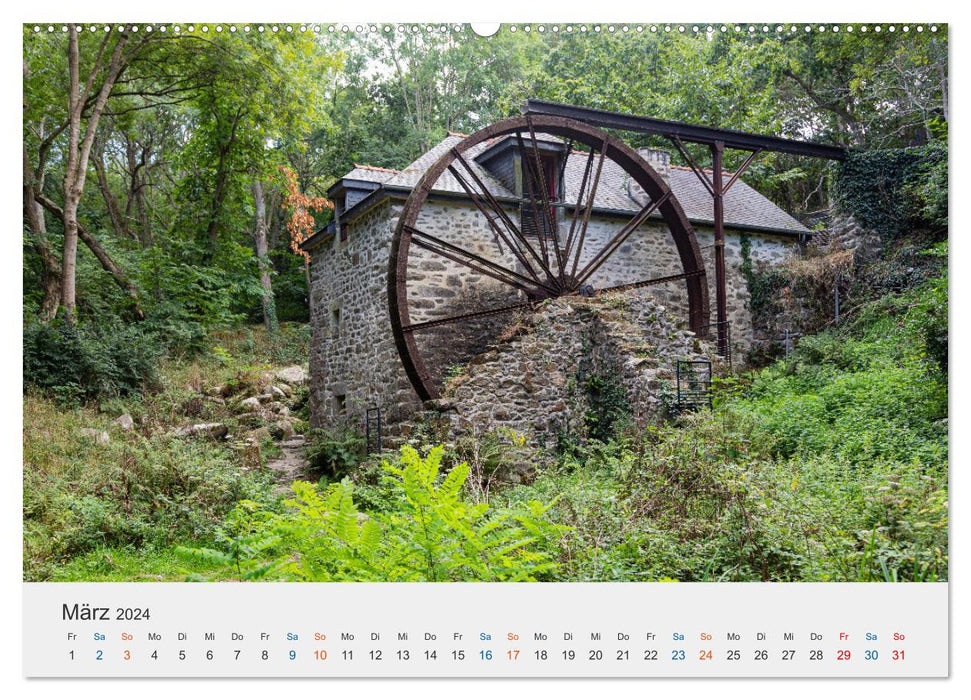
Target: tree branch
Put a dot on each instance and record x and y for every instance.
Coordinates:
(120, 278)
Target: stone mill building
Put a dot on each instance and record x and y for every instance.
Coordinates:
(516, 370)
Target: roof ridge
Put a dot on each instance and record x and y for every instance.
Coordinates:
(376, 168)
(706, 170)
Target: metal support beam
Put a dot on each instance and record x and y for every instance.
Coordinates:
(717, 141)
(718, 196)
(692, 133)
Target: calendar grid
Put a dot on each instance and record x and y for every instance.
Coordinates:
(486, 630)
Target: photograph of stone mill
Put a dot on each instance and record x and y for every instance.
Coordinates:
(553, 302)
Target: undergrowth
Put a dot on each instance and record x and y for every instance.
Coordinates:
(830, 465)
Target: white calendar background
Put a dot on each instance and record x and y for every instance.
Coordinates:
(485, 630)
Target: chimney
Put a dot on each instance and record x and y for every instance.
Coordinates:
(657, 159)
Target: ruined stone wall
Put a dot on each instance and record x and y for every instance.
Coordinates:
(569, 358)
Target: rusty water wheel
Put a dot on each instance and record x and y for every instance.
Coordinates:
(533, 266)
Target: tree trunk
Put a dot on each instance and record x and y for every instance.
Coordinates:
(50, 266)
(69, 256)
(79, 150)
(137, 156)
(120, 278)
(144, 221)
(222, 182)
(259, 236)
(114, 213)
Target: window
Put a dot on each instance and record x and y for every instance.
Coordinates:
(340, 404)
(534, 219)
(335, 321)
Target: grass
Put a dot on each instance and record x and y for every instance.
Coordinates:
(125, 564)
(112, 509)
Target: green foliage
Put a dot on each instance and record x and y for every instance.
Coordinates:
(873, 390)
(890, 191)
(605, 396)
(428, 533)
(607, 401)
(190, 299)
(89, 361)
(701, 502)
(333, 453)
(135, 492)
(495, 458)
(931, 313)
(243, 546)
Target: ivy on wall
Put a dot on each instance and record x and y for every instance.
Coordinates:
(763, 284)
(603, 393)
(890, 191)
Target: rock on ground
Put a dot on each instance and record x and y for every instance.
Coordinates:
(213, 431)
(275, 393)
(295, 375)
(282, 430)
(125, 421)
(99, 436)
(250, 404)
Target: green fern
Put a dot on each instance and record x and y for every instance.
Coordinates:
(245, 542)
(431, 534)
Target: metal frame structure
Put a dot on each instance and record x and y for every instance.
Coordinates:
(545, 269)
(717, 140)
(374, 411)
(693, 384)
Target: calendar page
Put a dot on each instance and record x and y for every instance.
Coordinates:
(433, 349)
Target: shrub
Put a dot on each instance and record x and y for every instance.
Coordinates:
(333, 453)
(701, 502)
(430, 534)
(136, 491)
(872, 391)
(89, 361)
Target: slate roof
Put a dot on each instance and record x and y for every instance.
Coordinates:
(369, 173)
(744, 207)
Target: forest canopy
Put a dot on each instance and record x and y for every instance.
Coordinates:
(167, 169)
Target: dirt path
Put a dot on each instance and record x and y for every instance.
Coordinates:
(292, 464)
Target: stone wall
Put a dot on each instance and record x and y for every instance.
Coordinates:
(571, 358)
(651, 252)
(353, 360)
(354, 363)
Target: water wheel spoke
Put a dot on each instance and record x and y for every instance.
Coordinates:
(528, 179)
(563, 163)
(501, 213)
(465, 317)
(544, 191)
(473, 261)
(502, 235)
(588, 209)
(618, 239)
(628, 286)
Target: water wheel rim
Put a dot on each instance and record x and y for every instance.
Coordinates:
(689, 252)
